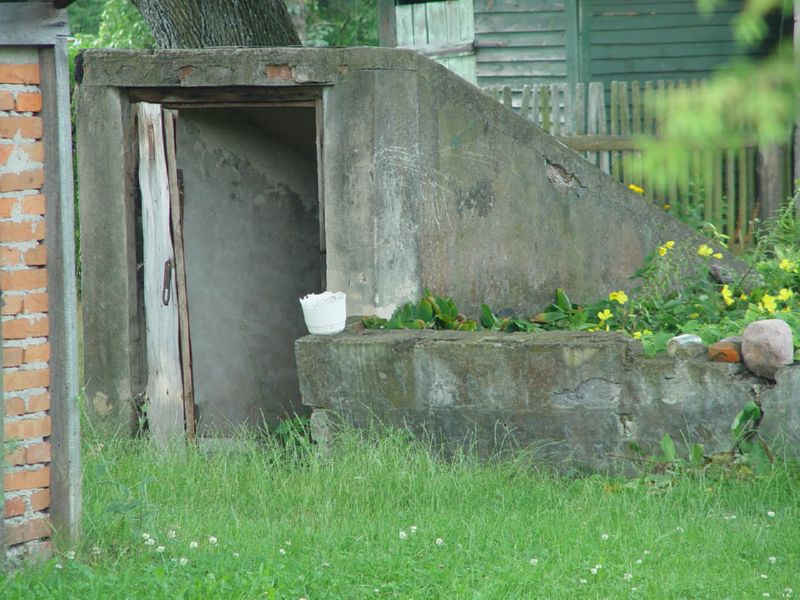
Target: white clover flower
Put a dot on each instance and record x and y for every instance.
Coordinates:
(212, 540)
(598, 566)
(413, 529)
(787, 592)
(680, 529)
(582, 580)
(59, 566)
(604, 536)
(145, 536)
(96, 551)
(193, 544)
(772, 560)
(403, 535)
(183, 560)
(534, 562)
(281, 551)
(160, 549)
(171, 534)
(71, 555)
(149, 542)
(647, 551)
(765, 594)
(235, 555)
(770, 513)
(439, 541)
(638, 561)
(593, 570)
(764, 576)
(286, 543)
(627, 576)
(325, 563)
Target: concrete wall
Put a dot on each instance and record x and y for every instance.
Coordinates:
(251, 227)
(426, 182)
(580, 399)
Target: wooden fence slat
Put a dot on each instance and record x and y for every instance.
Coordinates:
(596, 103)
(614, 127)
(730, 192)
(536, 105)
(624, 130)
(525, 105)
(419, 24)
(568, 127)
(507, 96)
(579, 107)
(544, 99)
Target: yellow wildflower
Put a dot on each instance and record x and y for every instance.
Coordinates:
(669, 245)
(727, 296)
(704, 251)
(768, 303)
(635, 188)
(787, 265)
(639, 334)
(785, 294)
(604, 315)
(662, 250)
(743, 297)
(665, 207)
(620, 296)
(717, 255)
(694, 315)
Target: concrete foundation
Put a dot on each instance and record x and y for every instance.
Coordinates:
(580, 399)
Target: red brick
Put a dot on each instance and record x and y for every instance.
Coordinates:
(724, 351)
(36, 257)
(24, 73)
(22, 380)
(26, 180)
(33, 205)
(25, 279)
(34, 151)
(29, 101)
(12, 305)
(23, 429)
(21, 328)
(26, 231)
(26, 127)
(6, 102)
(26, 531)
(40, 499)
(12, 357)
(282, 72)
(16, 457)
(5, 152)
(7, 206)
(15, 507)
(15, 406)
(38, 403)
(36, 353)
(27, 480)
(9, 257)
(37, 453)
(35, 302)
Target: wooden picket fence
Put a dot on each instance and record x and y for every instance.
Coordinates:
(716, 186)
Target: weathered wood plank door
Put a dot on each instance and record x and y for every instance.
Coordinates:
(164, 381)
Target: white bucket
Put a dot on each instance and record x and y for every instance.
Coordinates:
(325, 313)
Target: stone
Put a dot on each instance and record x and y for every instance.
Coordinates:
(726, 350)
(687, 345)
(767, 346)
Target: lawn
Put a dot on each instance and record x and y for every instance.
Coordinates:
(379, 516)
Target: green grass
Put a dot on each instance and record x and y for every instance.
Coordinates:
(297, 525)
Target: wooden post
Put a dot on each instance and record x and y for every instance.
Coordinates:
(770, 180)
(387, 24)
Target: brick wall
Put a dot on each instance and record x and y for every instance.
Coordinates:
(25, 327)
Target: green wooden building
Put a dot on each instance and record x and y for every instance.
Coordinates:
(516, 42)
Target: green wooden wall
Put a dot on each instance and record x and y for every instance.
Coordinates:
(654, 39)
(522, 41)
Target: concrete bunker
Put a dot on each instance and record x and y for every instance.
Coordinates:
(420, 181)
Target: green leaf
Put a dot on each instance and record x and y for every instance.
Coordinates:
(744, 423)
(668, 448)
(696, 456)
(488, 319)
(562, 300)
(424, 310)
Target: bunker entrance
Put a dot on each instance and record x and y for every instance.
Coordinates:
(231, 238)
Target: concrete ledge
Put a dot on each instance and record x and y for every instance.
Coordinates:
(580, 398)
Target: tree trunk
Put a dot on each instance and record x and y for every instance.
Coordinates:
(206, 23)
